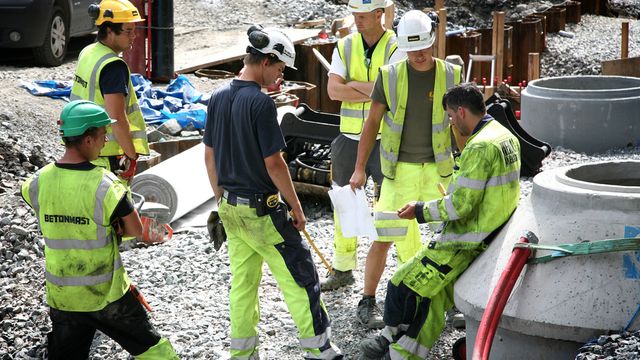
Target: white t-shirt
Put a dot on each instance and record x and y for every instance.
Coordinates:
(339, 68)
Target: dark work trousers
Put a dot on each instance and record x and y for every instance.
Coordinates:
(125, 321)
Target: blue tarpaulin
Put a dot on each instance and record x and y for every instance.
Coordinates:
(180, 100)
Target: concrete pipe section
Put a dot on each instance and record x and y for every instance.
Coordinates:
(557, 306)
(589, 114)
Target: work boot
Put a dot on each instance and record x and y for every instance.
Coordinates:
(374, 348)
(369, 314)
(455, 319)
(337, 280)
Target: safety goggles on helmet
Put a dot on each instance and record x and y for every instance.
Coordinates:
(272, 41)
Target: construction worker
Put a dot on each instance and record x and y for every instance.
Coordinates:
(82, 211)
(247, 174)
(482, 196)
(354, 65)
(103, 77)
(415, 148)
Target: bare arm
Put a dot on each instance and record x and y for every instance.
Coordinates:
(115, 106)
(210, 162)
(132, 224)
(353, 91)
(279, 174)
(365, 88)
(367, 140)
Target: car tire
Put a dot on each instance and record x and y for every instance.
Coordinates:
(54, 49)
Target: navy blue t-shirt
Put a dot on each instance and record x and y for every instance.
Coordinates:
(114, 78)
(242, 127)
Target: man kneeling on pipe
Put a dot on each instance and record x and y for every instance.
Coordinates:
(483, 193)
(82, 210)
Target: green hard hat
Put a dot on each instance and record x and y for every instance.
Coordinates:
(80, 115)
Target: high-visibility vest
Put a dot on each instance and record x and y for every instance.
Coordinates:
(83, 268)
(352, 53)
(484, 191)
(86, 86)
(396, 89)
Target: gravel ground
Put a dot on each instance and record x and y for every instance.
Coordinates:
(185, 280)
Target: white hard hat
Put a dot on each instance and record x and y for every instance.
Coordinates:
(272, 41)
(416, 31)
(368, 5)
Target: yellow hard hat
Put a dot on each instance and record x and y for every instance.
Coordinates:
(115, 11)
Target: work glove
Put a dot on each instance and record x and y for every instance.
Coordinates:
(126, 168)
(216, 231)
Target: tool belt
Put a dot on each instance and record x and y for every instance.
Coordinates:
(263, 203)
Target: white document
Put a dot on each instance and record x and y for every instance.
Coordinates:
(353, 212)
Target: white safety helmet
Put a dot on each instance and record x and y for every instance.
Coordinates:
(368, 5)
(272, 41)
(416, 31)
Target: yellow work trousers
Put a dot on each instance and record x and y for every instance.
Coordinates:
(413, 182)
(253, 240)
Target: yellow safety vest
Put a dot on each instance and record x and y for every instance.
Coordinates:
(396, 89)
(83, 268)
(86, 86)
(352, 53)
(484, 191)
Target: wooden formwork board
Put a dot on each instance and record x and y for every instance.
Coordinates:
(229, 46)
(622, 67)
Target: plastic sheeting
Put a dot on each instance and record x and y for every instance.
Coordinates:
(180, 100)
(181, 182)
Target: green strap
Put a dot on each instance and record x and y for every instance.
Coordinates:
(581, 248)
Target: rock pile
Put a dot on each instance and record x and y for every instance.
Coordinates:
(623, 346)
(595, 41)
(24, 322)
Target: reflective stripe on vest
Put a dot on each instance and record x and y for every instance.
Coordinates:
(396, 82)
(466, 237)
(351, 51)
(103, 237)
(91, 61)
(139, 134)
(486, 187)
(90, 280)
(482, 184)
(83, 268)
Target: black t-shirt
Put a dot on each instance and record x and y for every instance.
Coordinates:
(368, 50)
(242, 127)
(114, 78)
(124, 208)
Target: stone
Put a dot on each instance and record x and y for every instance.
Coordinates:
(155, 136)
(170, 127)
(19, 230)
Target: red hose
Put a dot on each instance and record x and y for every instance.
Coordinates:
(498, 300)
